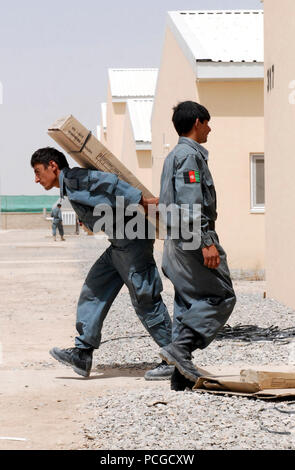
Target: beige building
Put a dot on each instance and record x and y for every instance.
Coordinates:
(125, 122)
(216, 58)
(279, 148)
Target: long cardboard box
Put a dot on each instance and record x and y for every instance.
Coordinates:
(89, 152)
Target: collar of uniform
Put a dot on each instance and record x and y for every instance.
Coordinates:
(61, 184)
(186, 140)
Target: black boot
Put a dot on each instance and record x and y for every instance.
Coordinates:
(79, 359)
(179, 383)
(179, 353)
(160, 372)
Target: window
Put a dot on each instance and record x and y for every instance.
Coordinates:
(257, 183)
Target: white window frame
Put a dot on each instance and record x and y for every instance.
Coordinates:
(255, 208)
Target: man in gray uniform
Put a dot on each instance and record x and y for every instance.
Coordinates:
(125, 261)
(57, 222)
(204, 296)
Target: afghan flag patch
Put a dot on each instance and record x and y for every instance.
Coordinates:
(192, 176)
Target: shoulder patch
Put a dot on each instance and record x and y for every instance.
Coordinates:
(192, 176)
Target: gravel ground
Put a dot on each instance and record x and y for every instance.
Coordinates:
(161, 419)
(156, 419)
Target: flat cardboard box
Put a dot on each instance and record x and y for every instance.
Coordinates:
(279, 377)
(267, 382)
(89, 152)
(272, 394)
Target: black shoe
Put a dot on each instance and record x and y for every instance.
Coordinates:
(161, 372)
(179, 383)
(173, 355)
(188, 340)
(79, 359)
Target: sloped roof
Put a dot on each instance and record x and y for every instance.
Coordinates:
(140, 111)
(133, 83)
(220, 36)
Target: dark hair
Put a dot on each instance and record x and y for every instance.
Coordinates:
(47, 154)
(185, 115)
(59, 204)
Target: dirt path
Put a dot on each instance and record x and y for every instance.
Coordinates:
(41, 400)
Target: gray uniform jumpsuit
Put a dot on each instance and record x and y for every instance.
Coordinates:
(204, 298)
(57, 221)
(129, 262)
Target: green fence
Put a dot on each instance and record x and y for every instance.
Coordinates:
(27, 203)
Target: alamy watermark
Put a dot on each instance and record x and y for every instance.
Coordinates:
(176, 222)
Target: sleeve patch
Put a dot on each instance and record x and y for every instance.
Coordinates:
(192, 176)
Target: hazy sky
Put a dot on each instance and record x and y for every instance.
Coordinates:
(54, 58)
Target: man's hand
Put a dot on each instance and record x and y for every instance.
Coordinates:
(211, 257)
(145, 202)
(86, 229)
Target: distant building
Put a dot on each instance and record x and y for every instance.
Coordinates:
(216, 58)
(125, 124)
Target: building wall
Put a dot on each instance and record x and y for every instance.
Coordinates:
(237, 125)
(237, 122)
(119, 139)
(137, 161)
(144, 168)
(279, 147)
(115, 125)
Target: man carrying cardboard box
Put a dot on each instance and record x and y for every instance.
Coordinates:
(128, 261)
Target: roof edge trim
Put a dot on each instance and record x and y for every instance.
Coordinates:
(230, 70)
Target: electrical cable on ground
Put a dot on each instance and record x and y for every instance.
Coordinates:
(284, 433)
(247, 333)
(250, 333)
